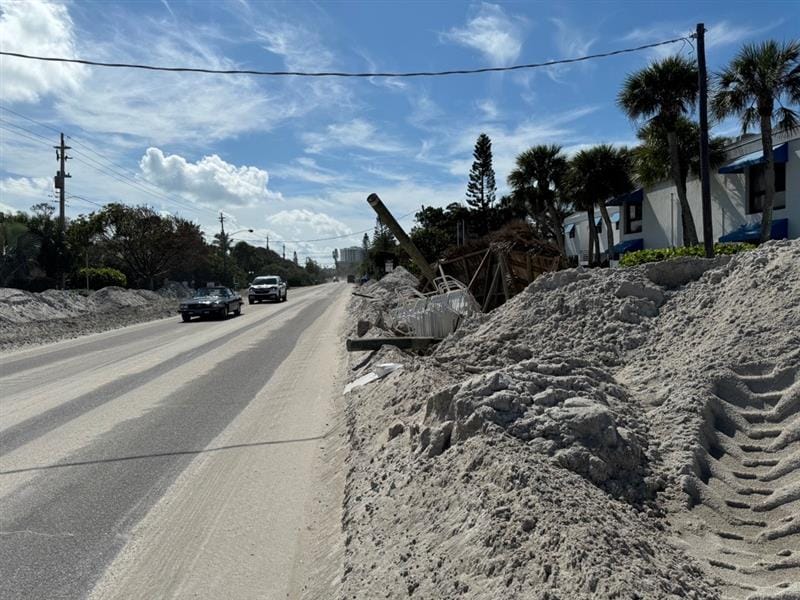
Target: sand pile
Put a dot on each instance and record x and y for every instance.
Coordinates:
(176, 290)
(607, 433)
(384, 295)
(35, 318)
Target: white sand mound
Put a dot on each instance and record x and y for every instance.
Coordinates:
(606, 434)
(36, 318)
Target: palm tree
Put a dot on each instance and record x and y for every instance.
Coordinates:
(760, 76)
(651, 159)
(538, 177)
(662, 93)
(596, 174)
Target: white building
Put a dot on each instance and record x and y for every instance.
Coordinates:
(651, 217)
(353, 254)
(576, 234)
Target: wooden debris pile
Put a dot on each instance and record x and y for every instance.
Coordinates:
(502, 264)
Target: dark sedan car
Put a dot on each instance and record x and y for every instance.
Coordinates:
(211, 302)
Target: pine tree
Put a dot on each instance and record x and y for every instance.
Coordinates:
(295, 258)
(481, 188)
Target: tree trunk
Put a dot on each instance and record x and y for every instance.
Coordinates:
(609, 230)
(558, 229)
(592, 235)
(689, 230)
(769, 177)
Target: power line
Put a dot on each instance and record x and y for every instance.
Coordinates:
(549, 63)
(35, 122)
(109, 168)
(327, 239)
(25, 135)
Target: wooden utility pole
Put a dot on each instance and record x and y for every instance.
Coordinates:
(705, 181)
(223, 243)
(60, 184)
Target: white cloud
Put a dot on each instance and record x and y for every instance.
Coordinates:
(165, 108)
(209, 181)
(492, 32)
(307, 169)
(489, 109)
(571, 42)
(41, 28)
(299, 221)
(508, 142)
(356, 133)
(22, 192)
(300, 48)
(723, 33)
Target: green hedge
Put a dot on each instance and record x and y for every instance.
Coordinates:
(102, 277)
(645, 256)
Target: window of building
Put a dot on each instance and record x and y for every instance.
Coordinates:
(757, 187)
(633, 222)
(599, 225)
(572, 233)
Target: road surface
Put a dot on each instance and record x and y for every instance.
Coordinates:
(172, 460)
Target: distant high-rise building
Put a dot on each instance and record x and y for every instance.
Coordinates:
(354, 254)
(350, 259)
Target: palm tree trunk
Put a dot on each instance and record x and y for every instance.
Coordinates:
(607, 223)
(689, 230)
(592, 235)
(769, 177)
(558, 229)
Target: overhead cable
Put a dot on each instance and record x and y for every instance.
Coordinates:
(550, 63)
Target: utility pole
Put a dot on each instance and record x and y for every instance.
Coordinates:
(284, 252)
(223, 244)
(60, 180)
(705, 182)
(267, 243)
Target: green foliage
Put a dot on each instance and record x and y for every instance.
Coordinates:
(651, 160)
(481, 188)
(662, 91)
(18, 251)
(538, 181)
(100, 277)
(640, 257)
(759, 77)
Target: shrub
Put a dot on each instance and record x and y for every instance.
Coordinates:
(100, 277)
(639, 257)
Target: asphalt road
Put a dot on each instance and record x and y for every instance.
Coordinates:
(136, 463)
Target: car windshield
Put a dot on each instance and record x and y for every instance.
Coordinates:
(265, 281)
(210, 292)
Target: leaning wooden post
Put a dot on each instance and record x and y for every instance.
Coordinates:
(402, 238)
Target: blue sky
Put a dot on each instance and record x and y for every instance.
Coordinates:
(295, 159)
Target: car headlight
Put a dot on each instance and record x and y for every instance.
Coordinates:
(183, 307)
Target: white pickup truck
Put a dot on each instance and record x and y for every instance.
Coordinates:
(267, 287)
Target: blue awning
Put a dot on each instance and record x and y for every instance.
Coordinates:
(628, 246)
(751, 232)
(634, 197)
(570, 228)
(615, 217)
(781, 154)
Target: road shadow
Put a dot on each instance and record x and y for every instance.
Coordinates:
(83, 463)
